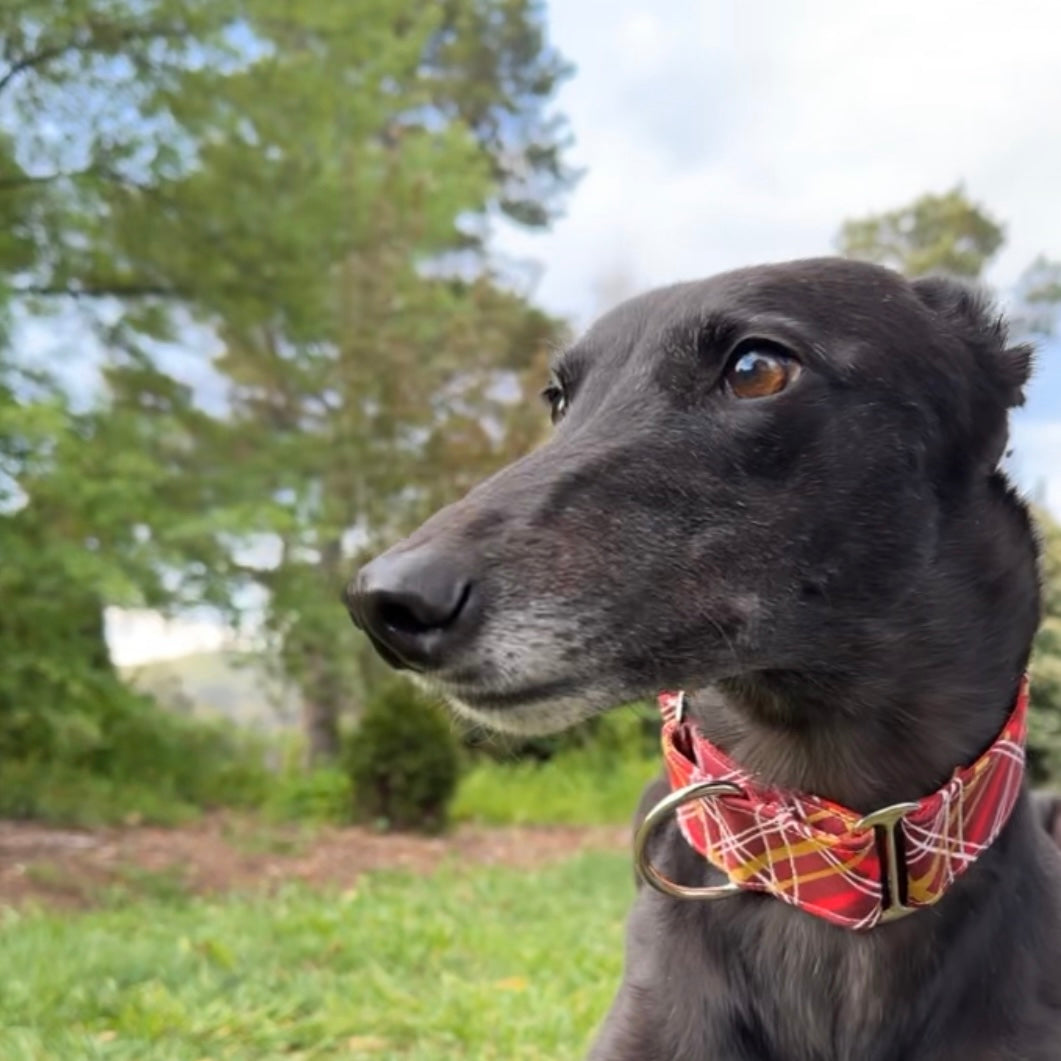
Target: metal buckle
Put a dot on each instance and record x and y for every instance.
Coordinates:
(887, 820)
(666, 806)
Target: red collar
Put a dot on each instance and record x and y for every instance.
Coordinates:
(829, 860)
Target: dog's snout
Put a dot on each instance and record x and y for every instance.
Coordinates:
(416, 606)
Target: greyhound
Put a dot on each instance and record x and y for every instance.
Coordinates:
(776, 496)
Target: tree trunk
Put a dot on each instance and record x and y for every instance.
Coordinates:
(323, 692)
(320, 717)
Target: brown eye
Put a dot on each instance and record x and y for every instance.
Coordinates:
(760, 372)
(556, 399)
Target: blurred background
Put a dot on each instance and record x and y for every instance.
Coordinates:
(277, 279)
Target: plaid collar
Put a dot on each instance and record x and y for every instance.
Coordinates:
(853, 870)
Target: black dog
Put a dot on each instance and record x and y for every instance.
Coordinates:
(778, 489)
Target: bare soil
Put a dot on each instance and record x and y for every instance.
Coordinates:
(79, 868)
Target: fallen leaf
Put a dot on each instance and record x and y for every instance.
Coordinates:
(512, 983)
(366, 1043)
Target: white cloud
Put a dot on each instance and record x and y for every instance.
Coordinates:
(643, 42)
(719, 134)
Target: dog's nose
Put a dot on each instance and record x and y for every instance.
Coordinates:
(416, 606)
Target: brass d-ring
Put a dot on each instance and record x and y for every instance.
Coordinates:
(662, 810)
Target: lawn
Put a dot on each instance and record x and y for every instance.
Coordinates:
(467, 963)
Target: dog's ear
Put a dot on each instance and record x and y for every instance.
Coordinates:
(1003, 368)
(972, 316)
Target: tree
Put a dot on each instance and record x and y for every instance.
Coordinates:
(1044, 751)
(366, 393)
(951, 234)
(93, 494)
(311, 188)
(937, 233)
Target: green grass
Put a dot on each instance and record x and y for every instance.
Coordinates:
(575, 788)
(491, 965)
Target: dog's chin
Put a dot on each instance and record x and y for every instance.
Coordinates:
(531, 720)
(535, 714)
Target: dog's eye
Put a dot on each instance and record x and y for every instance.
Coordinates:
(556, 398)
(759, 370)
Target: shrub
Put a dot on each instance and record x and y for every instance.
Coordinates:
(77, 745)
(1044, 718)
(116, 756)
(60, 794)
(321, 796)
(403, 761)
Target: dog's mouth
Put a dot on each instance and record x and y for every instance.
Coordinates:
(503, 699)
(388, 655)
(517, 703)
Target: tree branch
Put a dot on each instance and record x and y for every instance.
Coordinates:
(104, 39)
(23, 180)
(129, 290)
(28, 62)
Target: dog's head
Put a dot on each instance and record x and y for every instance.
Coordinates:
(748, 474)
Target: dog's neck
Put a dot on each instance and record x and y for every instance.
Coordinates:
(909, 695)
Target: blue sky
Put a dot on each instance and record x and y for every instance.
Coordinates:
(717, 134)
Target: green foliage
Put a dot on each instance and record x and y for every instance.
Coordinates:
(453, 966)
(77, 745)
(1039, 297)
(344, 284)
(176, 771)
(951, 234)
(1044, 721)
(598, 783)
(403, 760)
(323, 795)
(58, 794)
(362, 376)
(937, 233)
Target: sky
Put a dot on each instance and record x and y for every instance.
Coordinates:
(720, 134)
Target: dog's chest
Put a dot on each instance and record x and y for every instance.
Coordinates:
(767, 985)
(773, 986)
(812, 994)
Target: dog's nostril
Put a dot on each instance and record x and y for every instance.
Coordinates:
(400, 616)
(414, 614)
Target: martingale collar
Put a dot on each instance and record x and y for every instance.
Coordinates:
(854, 870)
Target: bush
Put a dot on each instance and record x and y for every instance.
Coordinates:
(77, 745)
(323, 796)
(403, 761)
(60, 794)
(119, 757)
(1044, 717)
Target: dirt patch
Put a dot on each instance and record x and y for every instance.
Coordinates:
(75, 868)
